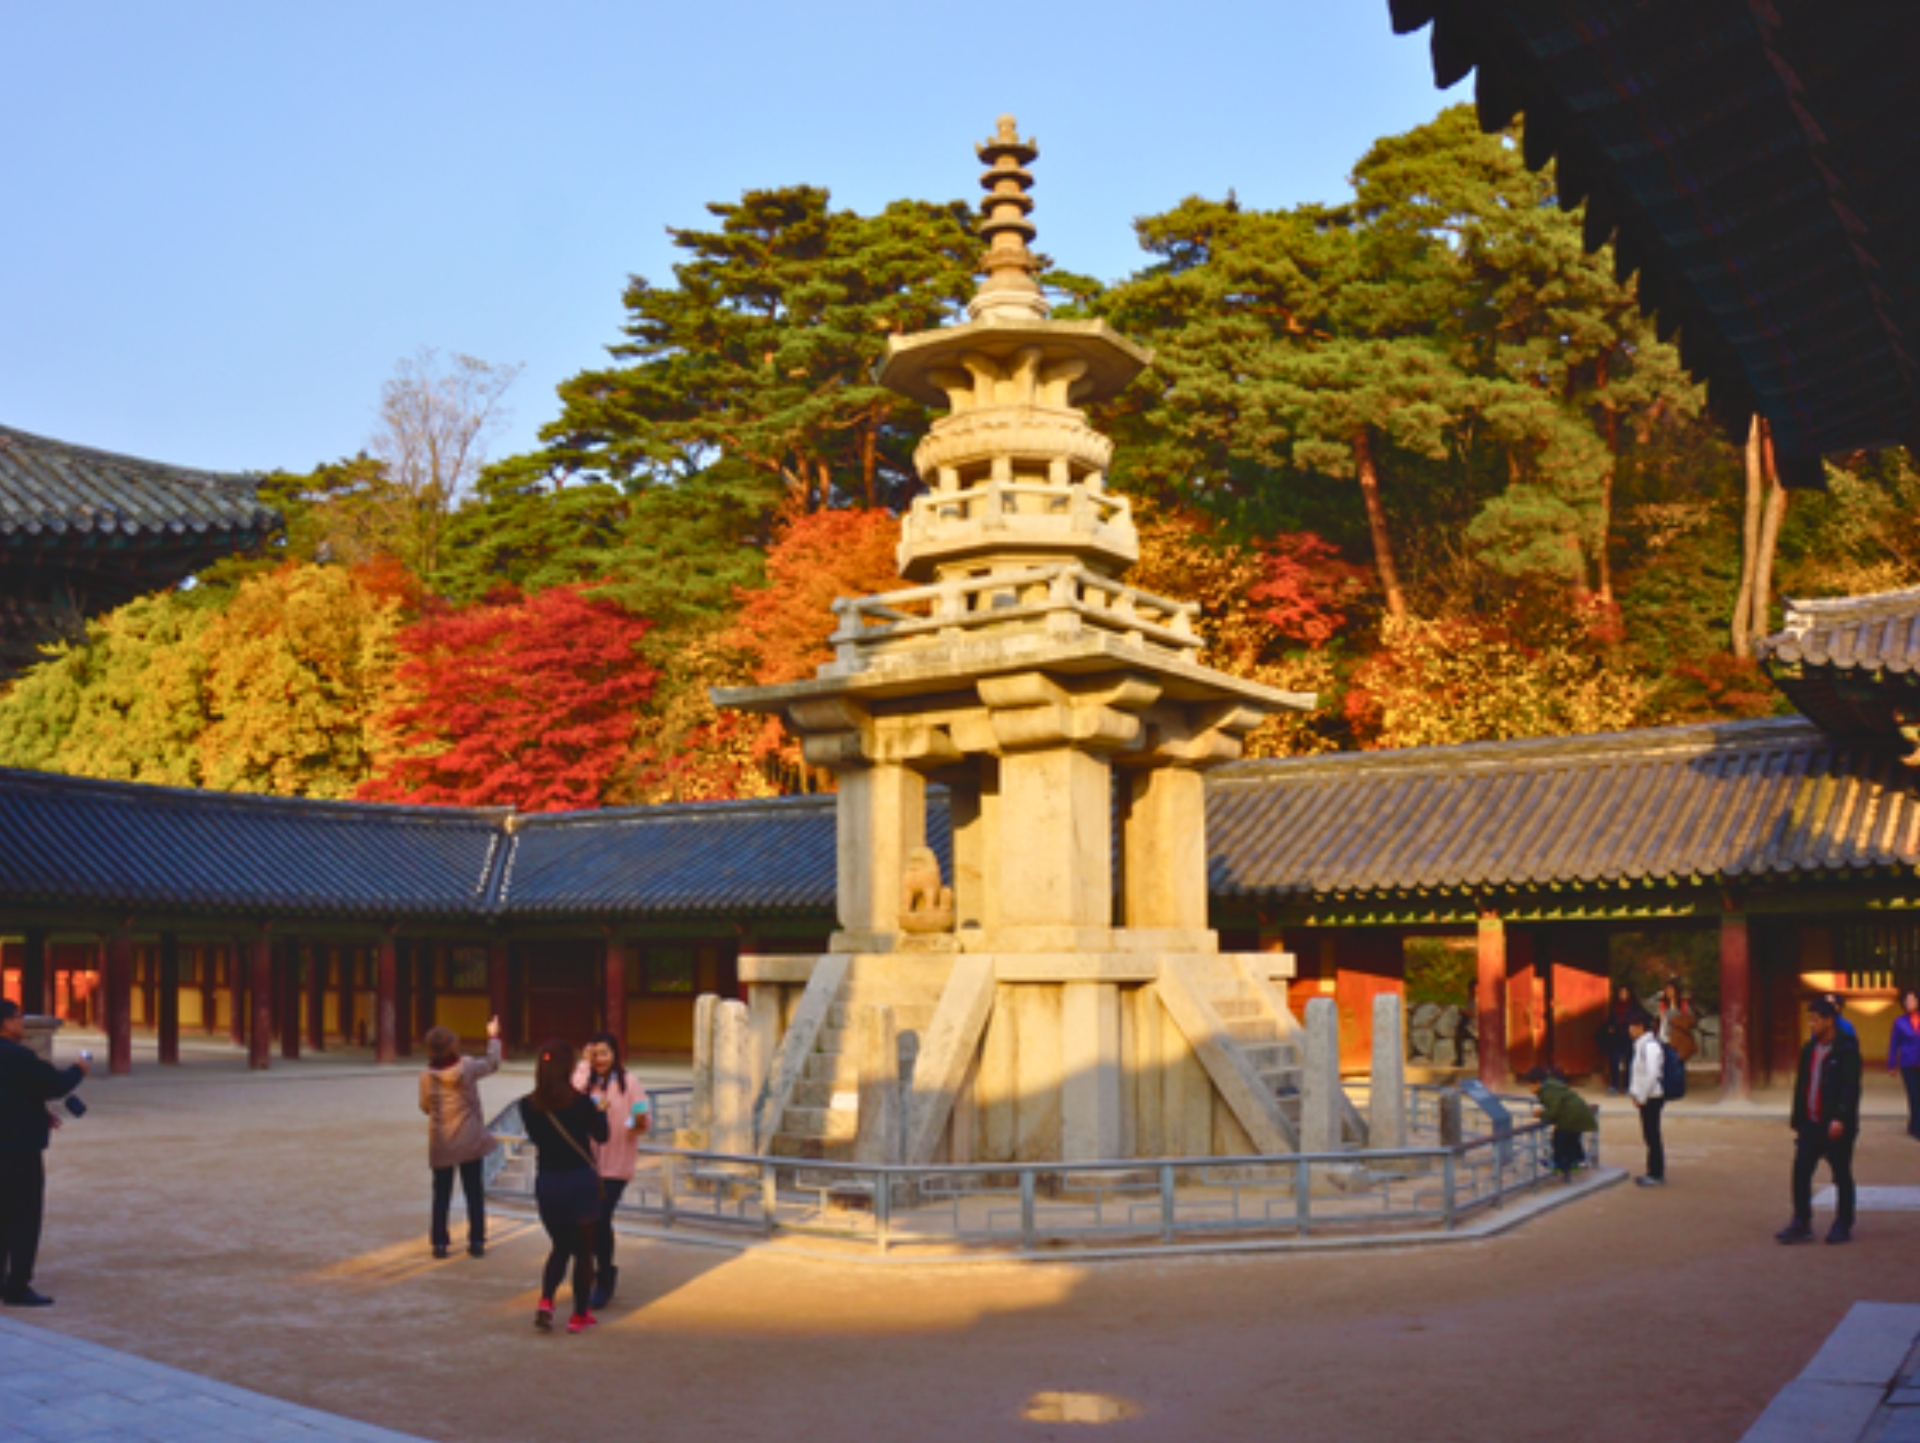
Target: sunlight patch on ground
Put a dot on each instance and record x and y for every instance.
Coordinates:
(1078, 1408)
(402, 1262)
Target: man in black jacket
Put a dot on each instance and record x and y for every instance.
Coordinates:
(27, 1085)
(1826, 1120)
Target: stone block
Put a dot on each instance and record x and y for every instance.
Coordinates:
(1387, 1108)
(1090, 1081)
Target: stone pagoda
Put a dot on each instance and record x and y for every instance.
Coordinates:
(1057, 996)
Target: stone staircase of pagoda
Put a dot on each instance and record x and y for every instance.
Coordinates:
(822, 1119)
(1275, 1058)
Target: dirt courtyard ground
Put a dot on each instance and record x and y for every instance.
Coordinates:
(269, 1231)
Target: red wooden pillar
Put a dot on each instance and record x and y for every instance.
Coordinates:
(259, 996)
(614, 1001)
(1736, 1006)
(349, 981)
(289, 991)
(36, 996)
(319, 959)
(238, 1012)
(409, 1010)
(169, 1000)
(147, 964)
(385, 1017)
(426, 964)
(209, 992)
(1490, 1000)
(499, 986)
(1526, 1001)
(118, 985)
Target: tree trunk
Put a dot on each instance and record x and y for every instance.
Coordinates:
(1749, 541)
(1377, 525)
(869, 456)
(1759, 616)
(1610, 421)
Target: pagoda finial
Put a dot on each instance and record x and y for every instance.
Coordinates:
(1009, 291)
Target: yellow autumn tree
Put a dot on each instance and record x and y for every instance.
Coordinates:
(297, 667)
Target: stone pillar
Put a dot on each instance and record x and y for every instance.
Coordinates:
(1090, 1072)
(168, 1021)
(973, 811)
(1166, 849)
(732, 1080)
(613, 979)
(1320, 1078)
(1736, 1006)
(118, 983)
(763, 1016)
(880, 1136)
(36, 993)
(289, 993)
(1490, 1000)
(1056, 866)
(700, 1107)
(1387, 1119)
(881, 812)
(260, 1003)
(386, 1003)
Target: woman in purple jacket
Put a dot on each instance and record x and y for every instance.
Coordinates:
(1903, 1056)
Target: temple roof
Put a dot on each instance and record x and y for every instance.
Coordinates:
(1851, 664)
(1755, 799)
(52, 491)
(1775, 799)
(1754, 163)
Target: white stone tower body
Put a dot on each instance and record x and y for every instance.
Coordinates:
(1062, 997)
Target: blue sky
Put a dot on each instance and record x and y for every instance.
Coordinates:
(225, 223)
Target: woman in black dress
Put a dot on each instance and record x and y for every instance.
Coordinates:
(563, 1125)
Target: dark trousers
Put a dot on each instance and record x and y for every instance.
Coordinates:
(1619, 1062)
(473, 1184)
(1911, 1076)
(1812, 1144)
(1650, 1132)
(1569, 1152)
(569, 1218)
(611, 1189)
(23, 1192)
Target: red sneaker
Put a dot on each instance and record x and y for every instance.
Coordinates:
(580, 1322)
(543, 1315)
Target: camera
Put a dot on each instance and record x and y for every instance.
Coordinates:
(74, 1106)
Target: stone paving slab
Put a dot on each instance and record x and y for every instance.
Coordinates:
(1848, 1393)
(64, 1390)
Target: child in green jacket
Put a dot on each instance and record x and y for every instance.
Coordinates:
(1570, 1115)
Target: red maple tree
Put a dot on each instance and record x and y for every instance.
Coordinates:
(821, 556)
(526, 702)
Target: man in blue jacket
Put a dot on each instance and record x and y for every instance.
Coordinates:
(1826, 1121)
(27, 1085)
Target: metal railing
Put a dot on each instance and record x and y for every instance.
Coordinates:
(1161, 1203)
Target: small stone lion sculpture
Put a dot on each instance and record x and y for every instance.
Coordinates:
(927, 903)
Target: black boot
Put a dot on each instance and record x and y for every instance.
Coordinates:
(603, 1287)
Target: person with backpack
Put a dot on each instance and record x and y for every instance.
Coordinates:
(1825, 1122)
(1646, 1085)
(1569, 1115)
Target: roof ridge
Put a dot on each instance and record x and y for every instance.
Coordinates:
(1641, 742)
(742, 806)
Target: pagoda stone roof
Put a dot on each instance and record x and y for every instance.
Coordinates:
(1754, 164)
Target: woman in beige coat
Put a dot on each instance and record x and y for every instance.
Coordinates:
(457, 1136)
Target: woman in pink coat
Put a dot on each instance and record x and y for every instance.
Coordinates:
(457, 1136)
(602, 1077)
